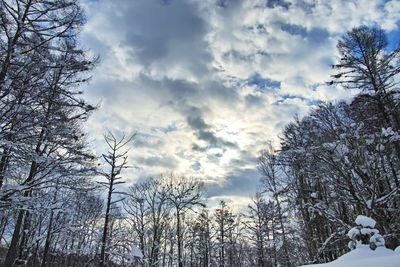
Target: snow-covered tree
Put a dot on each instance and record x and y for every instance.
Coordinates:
(40, 108)
(368, 66)
(365, 233)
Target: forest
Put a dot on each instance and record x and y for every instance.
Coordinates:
(60, 207)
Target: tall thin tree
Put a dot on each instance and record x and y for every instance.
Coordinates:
(116, 159)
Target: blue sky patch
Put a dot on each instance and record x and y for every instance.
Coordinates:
(168, 129)
(315, 34)
(294, 29)
(393, 38)
(310, 102)
(262, 83)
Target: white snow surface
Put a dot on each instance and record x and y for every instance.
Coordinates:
(365, 257)
(369, 231)
(365, 221)
(353, 232)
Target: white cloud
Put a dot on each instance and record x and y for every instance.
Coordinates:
(179, 73)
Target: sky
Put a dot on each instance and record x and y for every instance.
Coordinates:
(206, 84)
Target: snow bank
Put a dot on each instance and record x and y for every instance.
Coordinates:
(365, 257)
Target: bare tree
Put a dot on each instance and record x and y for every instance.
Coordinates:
(274, 184)
(224, 219)
(260, 225)
(201, 244)
(183, 193)
(116, 160)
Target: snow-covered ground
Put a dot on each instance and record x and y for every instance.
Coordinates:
(363, 256)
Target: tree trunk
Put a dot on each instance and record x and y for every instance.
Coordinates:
(3, 166)
(12, 250)
(179, 238)
(283, 231)
(47, 244)
(106, 220)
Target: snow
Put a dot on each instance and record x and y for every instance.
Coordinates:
(369, 203)
(353, 232)
(368, 231)
(365, 221)
(380, 147)
(342, 149)
(377, 239)
(135, 252)
(387, 132)
(280, 244)
(365, 257)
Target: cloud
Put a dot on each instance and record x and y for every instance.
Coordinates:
(168, 162)
(241, 183)
(197, 123)
(205, 84)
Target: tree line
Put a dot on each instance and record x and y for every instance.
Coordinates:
(339, 161)
(342, 159)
